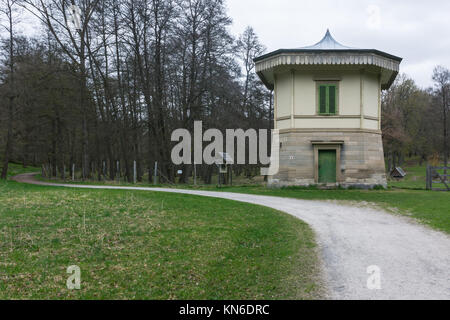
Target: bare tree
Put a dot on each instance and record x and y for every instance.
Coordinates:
(249, 48)
(55, 15)
(441, 78)
(9, 9)
(115, 87)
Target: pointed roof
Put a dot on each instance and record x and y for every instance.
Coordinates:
(328, 52)
(327, 43)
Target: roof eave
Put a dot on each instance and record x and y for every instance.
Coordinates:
(281, 51)
(268, 85)
(387, 85)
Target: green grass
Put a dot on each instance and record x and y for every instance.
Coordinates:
(407, 197)
(428, 207)
(15, 169)
(403, 197)
(143, 245)
(415, 178)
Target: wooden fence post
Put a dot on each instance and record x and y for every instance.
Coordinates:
(155, 178)
(218, 176)
(118, 170)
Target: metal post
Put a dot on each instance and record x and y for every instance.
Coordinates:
(195, 174)
(155, 178)
(73, 171)
(134, 171)
(118, 171)
(218, 176)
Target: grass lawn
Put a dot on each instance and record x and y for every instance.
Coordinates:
(15, 169)
(143, 245)
(268, 257)
(403, 197)
(415, 178)
(429, 207)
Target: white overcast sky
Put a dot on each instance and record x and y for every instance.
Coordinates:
(416, 30)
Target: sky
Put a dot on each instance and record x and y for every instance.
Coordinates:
(416, 30)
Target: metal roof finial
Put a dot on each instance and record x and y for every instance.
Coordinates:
(327, 43)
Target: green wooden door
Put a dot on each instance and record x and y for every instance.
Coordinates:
(327, 166)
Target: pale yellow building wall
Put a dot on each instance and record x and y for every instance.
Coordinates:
(284, 94)
(324, 123)
(371, 87)
(301, 90)
(370, 124)
(305, 94)
(284, 124)
(349, 94)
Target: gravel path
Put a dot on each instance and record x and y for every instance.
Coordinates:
(414, 260)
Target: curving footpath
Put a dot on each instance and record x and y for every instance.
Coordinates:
(414, 261)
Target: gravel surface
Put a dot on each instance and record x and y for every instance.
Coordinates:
(414, 261)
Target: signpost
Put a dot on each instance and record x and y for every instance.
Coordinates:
(224, 162)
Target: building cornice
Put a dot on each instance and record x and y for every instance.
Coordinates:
(318, 52)
(327, 58)
(327, 117)
(330, 131)
(284, 57)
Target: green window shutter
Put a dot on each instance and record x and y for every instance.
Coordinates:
(327, 99)
(322, 99)
(332, 99)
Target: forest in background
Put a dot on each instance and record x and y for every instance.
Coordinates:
(114, 90)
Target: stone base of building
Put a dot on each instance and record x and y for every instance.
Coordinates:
(359, 157)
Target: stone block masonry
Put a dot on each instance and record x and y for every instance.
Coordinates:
(361, 158)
